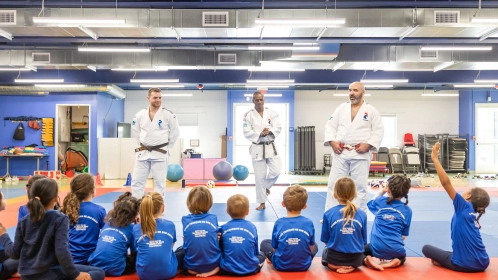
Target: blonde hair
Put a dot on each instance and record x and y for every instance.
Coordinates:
(345, 191)
(150, 206)
(295, 198)
(199, 200)
(237, 206)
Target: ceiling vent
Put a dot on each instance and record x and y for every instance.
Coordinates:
(428, 54)
(8, 17)
(214, 19)
(40, 58)
(227, 58)
(446, 17)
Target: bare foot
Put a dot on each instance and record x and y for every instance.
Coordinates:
(192, 272)
(392, 264)
(435, 263)
(261, 207)
(16, 275)
(210, 273)
(340, 268)
(267, 191)
(370, 263)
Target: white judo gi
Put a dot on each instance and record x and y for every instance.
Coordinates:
(162, 129)
(367, 127)
(266, 167)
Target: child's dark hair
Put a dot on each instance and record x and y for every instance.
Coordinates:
(295, 198)
(42, 192)
(345, 192)
(125, 211)
(480, 200)
(31, 181)
(199, 200)
(399, 186)
(81, 187)
(151, 205)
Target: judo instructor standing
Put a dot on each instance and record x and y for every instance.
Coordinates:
(156, 130)
(353, 131)
(261, 127)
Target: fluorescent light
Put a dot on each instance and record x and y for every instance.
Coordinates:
(266, 95)
(474, 86)
(93, 68)
(379, 86)
(6, 34)
(486, 81)
(338, 65)
(345, 94)
(266, 86)
(39, 80)
(270, 81)
(442, 66)
(154, 80)
(162, 86)
(384, 81)
(59, 86)
(82, 21)
(275, 70)
(88, 32)
(282, 48)
(139, 69)
(15, 69)
(86, 49)
(456, 48)
(439, 94)
(178, 67)
(483, 19)
(408, 70)
(302, 21)
(177, 94)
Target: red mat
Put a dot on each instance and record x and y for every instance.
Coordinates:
(413, 269)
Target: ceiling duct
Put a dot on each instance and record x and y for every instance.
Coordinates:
(33, 93)
(8, 17)
(112, 90)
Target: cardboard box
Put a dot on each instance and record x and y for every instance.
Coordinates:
(223, 146)
(52, 174)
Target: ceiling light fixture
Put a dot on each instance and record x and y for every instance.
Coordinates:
(178, 67)
(442, 66)
(81, 21)
(176, 94)
(260, 69)
(6, 34)
(384, 81)
(266, 95)
(139, 69)
(15, 69)
(283, 48)
(345, 94)
(86, 49)
(407, 70)
(93, 68)
(378, 86)
(162, 86)
(456, 48)
(39, 81)
(486, 81)
(474, 86)
(484, 20)
(300, 21)
(270, 81)
(266, 86)
(440, 94)
(154, 80)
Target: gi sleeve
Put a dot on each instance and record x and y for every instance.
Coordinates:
(276, 125)
(249, 132)
(174, 130)
(135, 125)
(377, 131)
(331, 127)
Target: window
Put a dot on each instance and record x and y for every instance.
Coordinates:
(188, 132)
(390, 139)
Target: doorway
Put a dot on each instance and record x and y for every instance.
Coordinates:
(241, 145)
(486, 138)
(73, 131)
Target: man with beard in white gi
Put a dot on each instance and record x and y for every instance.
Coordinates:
(354, 130)
(261, 127)
(156, 130)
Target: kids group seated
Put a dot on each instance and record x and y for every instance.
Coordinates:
(81, 241)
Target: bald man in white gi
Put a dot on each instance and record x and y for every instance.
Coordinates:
(261, 127)
(156, 131)
(354, 131)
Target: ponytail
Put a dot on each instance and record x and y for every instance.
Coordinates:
(349, 212)
(71, 207)
(36, 209)
(150, 206)
(480, 211)
(42, 193)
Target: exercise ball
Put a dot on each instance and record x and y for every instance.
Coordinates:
(222, 170)
(175, 172)
(240, 172)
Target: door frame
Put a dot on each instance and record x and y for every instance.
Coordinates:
(476, 153)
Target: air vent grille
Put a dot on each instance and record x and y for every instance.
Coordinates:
(214, 18)
(40, 58)
(446, 17)
(428, 54)
(8, 17)
(227, 58)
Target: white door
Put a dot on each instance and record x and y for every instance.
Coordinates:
(241, 144)
(487, 138)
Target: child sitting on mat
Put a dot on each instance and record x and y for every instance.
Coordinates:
(344, 230)
(154, 238)
(116, 238)
(85, 217)
(469, 253)
(239, 241)
(292, 246)
(23, 210)
(391, 225)
(201, 250)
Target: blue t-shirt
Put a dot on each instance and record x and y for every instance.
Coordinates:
(83, 235)
(291, 239)
(239, 242)
(392, 221)
(202, 249)
(156, 259)
(468, 249)
(112, 249)
(348, 239)
(23, 211)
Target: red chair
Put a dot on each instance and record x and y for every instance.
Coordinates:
(408, 140)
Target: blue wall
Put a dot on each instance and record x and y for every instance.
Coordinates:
(109, 112)
(41, 106)
(237, 96)
(467, 117)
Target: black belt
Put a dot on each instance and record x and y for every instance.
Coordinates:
(264, 145)
(156, 148)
